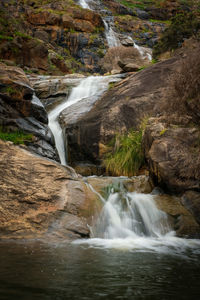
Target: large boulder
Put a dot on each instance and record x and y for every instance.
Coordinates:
(123, 107)
(21, 110)
(173, 157)
(40, 198)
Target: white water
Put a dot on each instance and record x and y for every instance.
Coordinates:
(131, 221)
(90, 87)
(84, 4)
(144, 52)
(111, 35)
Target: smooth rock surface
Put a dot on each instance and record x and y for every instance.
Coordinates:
(40, 198)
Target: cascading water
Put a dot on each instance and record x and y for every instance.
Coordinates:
(84, 4)
(111, 35)
(131, 221)
(89, 88)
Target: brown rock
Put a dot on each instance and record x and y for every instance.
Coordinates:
(41, 198)
(67, 21)
(121, 108)
(83, 25)
(88, 15)
(191, 200)
(173, 156)
(181, 219)
(43, 18)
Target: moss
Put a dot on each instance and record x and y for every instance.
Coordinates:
(6, 38)
(163, 131)
(17, 137)
(23, 35)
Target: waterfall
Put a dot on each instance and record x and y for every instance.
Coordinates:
(144, 52)
(111, 35)
(84, 4)
(90, 88)
(130, 215)
(131, 221)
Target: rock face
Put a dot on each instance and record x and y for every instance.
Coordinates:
(121, 108)
(173, 155)
(20, 109)
(52, 89)
(40, 198)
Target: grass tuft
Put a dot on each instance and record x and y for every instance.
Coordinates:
(126, 155)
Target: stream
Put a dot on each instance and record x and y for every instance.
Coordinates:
(132, 253)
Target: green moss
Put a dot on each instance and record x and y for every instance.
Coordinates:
(23, 35)
(6, 38)
(9, 90)
(163, 131)
(17, 137)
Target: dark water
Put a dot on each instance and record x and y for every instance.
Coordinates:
(44, 271)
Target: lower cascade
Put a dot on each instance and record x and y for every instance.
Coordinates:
(131, 221)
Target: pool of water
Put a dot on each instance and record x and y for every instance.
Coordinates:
(36, 270)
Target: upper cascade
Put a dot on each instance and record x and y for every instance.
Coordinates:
(89, 90)
(111, 35)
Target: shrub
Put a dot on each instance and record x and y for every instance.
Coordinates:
(182, 26)
(185, 86)
(126, 155)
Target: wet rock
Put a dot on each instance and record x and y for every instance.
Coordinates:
(191, 200)
(140, 184)
(21, 110)
(54, 89)
(181, 219)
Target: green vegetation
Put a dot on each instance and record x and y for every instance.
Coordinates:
(126, 156)
(17, 137)
(163, 131)
(111, 85)
(182, 26)
(23, 35)
(5, 37)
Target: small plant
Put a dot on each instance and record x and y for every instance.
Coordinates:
(126, 155)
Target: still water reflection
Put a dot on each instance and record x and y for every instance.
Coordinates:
(34, 270)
